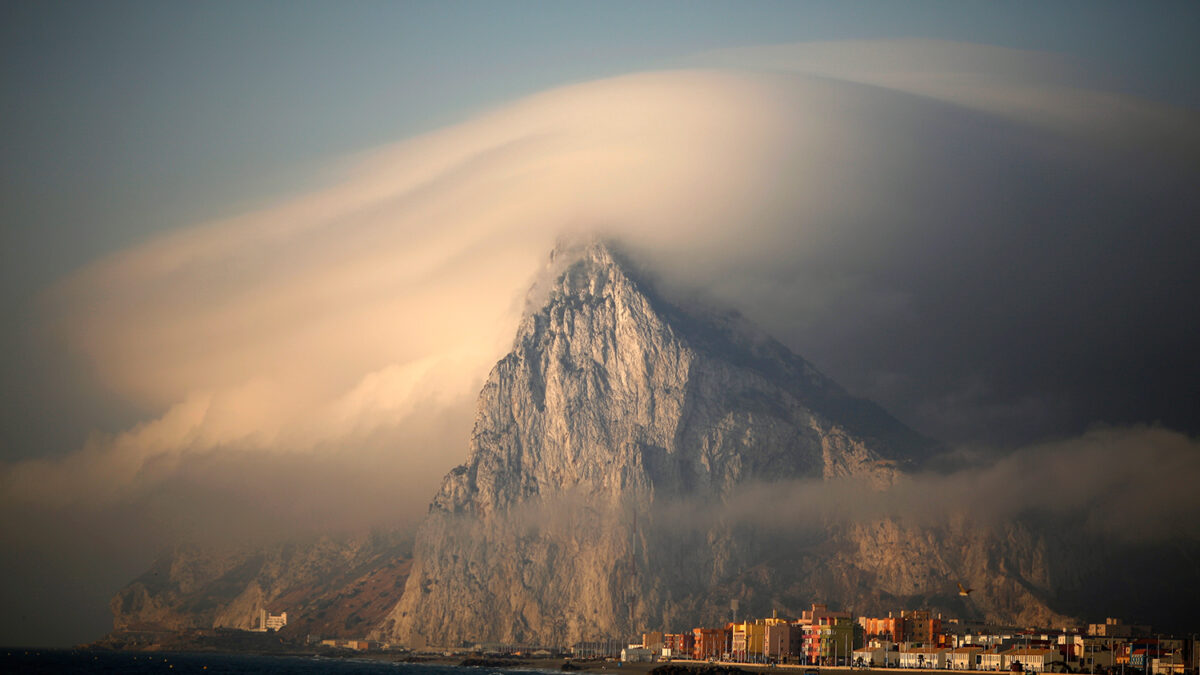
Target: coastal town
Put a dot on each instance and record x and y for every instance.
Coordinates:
(924, 640)
(906, 639)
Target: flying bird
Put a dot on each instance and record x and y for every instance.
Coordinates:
(963, 591)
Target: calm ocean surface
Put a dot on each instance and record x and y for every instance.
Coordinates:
(67, 662)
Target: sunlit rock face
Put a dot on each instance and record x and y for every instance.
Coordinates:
(606, 486)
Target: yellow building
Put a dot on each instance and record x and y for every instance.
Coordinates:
(748, 640)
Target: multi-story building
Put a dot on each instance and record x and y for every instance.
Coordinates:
(782, 641)
(268, 621)
(920, 626)
(913, 626)
(709, 643)
(891, 628)
(678, 645)
(748, 640)
(828, 636)
(653, 641)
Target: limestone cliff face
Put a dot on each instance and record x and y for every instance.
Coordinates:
(600, 443)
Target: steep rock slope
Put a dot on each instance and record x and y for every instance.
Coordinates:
(600, 443)
(331, 586)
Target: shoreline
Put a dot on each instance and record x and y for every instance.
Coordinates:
(513, 663)
(272, 644)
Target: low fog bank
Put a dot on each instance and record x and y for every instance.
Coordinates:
(1071, 530)
(73, 553)
(1130, 486)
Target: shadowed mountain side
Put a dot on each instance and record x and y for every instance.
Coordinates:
(329, 586)
(728, 336)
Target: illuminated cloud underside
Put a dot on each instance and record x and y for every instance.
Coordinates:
(347, 317)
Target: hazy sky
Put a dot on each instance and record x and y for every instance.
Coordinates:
(257, 250)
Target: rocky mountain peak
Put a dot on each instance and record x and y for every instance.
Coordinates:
(635, 464)
(614, 400)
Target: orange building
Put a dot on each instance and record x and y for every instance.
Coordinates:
(890, 628)
(709, 643)
(915, 626)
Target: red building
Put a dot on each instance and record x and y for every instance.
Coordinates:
(680, 644)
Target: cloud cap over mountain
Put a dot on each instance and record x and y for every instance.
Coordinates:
(975, 270)
(995, 265)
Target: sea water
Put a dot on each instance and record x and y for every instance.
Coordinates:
(69, 662)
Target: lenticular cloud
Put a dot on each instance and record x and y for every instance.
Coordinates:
(822, 197)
